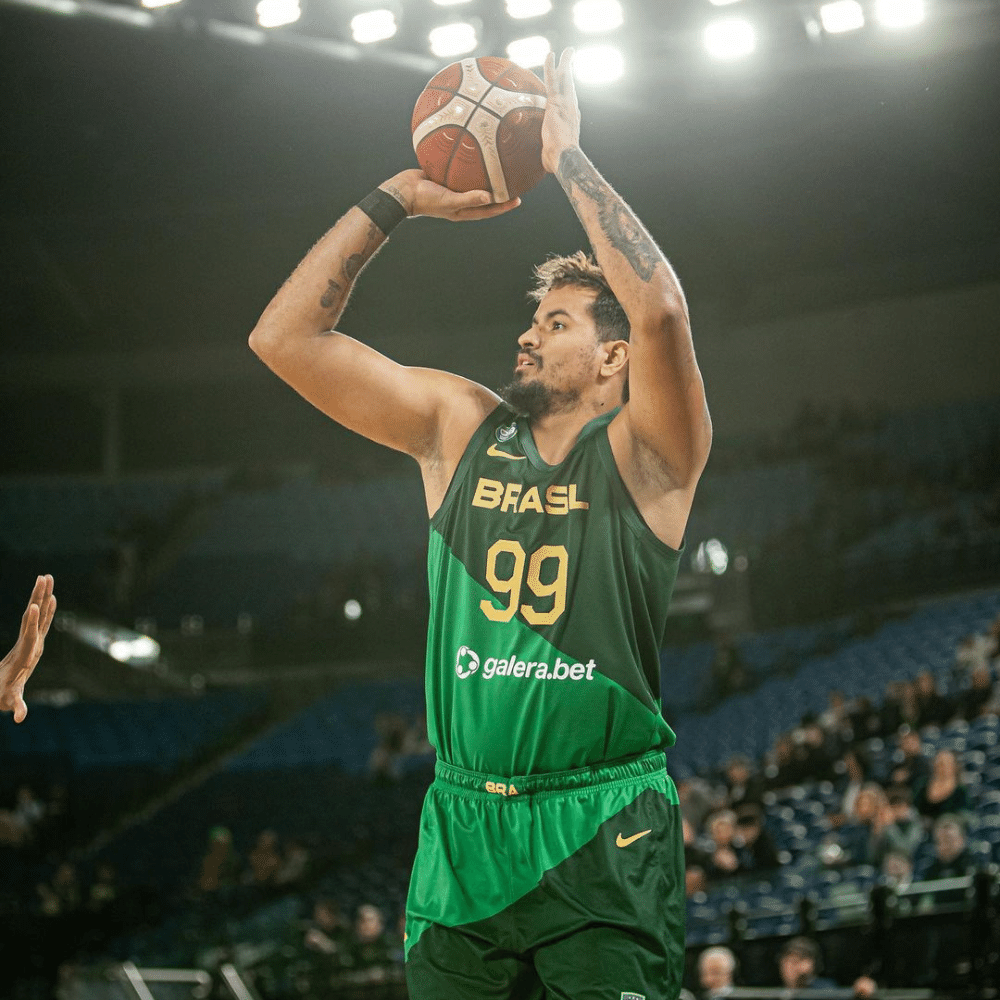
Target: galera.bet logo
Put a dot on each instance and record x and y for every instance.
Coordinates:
(466, 662)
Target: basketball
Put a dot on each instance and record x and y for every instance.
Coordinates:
(477, 125)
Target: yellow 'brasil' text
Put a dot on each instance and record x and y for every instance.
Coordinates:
(491, 493)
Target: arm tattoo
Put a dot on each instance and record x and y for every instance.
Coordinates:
(620, 226)
(336, 292)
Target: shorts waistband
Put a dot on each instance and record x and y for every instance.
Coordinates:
(553, 781)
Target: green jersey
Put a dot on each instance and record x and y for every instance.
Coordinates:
(549, 599)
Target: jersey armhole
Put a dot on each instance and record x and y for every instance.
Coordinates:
(630, 513)
(479, 437)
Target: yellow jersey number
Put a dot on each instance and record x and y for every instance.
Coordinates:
(511, 584)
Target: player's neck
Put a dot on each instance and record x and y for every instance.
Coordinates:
(556, 433)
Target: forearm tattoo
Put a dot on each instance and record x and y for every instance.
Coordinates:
(337, 290)
(620, 226)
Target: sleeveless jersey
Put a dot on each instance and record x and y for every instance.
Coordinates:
(548, 598)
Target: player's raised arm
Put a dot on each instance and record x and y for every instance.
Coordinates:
(666, 416)
(17, 665)
(350, 382)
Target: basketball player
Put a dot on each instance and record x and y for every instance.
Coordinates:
(550, 855)
(17, 665)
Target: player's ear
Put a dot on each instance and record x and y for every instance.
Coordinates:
(615, 356)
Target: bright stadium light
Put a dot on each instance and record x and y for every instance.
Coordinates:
(593, 16)
(352, 609)
(730, 38)
(528, 8)
(373, 26)
(453, 39)
(153, 4)
(896, 14)
(842, 15)
(275, 13)
(450, 3)
(528, 52)
(598, 64)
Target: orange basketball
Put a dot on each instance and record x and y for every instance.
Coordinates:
(477, 125)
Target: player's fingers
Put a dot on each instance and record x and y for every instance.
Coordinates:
(457, 201)
(489, 211)
(20, 708)
(29, 625)
(549, 71)
(48, 612)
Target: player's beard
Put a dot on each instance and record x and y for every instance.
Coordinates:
(534, 399)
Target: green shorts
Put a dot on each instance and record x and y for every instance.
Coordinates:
(566, 885)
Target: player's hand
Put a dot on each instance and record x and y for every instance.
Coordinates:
(17, 665)
(419, 195)
(561, 124)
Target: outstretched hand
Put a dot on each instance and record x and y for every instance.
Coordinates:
(17, 665)
(561, 124)
(419, 195)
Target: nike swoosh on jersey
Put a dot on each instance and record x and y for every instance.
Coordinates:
(625, 841)
(494, 452)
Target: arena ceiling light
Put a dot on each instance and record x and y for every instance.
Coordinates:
(450, 3)
(153, 4)
(373, 26)
(841, 16)
(729, 38)
(528, 8)
(598, 64)
(592, 16)
(453, 39)
(529, 52)
(897, 14)
(275, 13)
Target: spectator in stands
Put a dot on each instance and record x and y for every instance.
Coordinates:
(813, 761)
(295, 863)
(933, 707)
(60, 895)
(220, 865)
(853, 767)
(800, 963)
(103, 890)
(944, 791)
(264, 861)
(722, 861)
(17, 665)
(742, 784)
(974, 651)
(697, 800)
(755, 851)
(897, 869)
(951, 855)
(910, 766)
(782, 769)
(29, 811)
(979, 698)
(866, 719)
(904, 834)
(371, 947)
(836, 720)
(902, 710)
(862, 837)
(328, 931)
(716, 973)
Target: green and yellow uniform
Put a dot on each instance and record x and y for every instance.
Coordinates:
(550, 849)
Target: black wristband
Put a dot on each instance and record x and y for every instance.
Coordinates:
(383, 210)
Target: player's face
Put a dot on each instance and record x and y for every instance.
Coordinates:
(559, 355)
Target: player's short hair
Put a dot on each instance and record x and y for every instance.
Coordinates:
(582, 270)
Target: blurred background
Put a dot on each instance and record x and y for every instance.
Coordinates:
(235, 672)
